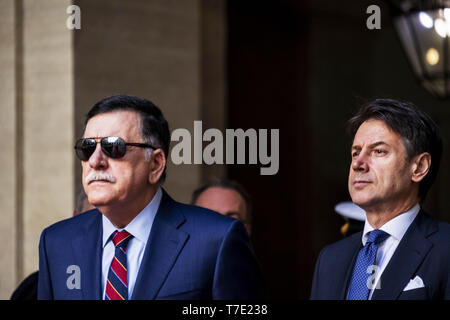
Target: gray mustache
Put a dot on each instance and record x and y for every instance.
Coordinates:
(99, 175)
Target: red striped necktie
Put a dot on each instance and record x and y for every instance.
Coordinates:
(117, 282)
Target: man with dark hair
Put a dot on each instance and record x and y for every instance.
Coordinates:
(139, 243)
(226, 197)
(402, 253)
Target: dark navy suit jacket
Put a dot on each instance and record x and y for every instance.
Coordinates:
(191, 253)
(424, 251)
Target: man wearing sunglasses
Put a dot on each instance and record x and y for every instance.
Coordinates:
(138, 243)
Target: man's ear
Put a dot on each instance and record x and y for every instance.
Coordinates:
(420, 167)
(157, 165)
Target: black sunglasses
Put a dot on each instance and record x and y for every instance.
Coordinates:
(113, 147)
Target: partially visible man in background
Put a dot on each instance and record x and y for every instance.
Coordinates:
(353, 216)
(82, 203)
(226, 197)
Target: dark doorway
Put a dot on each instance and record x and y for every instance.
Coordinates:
(267, 89)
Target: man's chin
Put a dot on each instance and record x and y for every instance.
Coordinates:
(362, 200)
(365, 203)
(100, 201)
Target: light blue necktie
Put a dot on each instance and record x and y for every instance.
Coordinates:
(359, 286)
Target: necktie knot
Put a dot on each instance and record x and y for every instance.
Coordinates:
(121, 238)
(377, 236)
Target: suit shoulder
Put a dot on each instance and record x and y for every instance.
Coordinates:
(207, 227)
(441, 237)
(193, 213)
(207, 223)
(336, 248)
(444, 229)
(338, 245)
(436, 230)
(204, 216)
(72, 224)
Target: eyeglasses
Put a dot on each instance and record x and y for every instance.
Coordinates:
(113, 147)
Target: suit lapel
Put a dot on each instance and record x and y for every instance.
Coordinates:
(408, 256)
(87, 246)
(348, 261)
(164, 244)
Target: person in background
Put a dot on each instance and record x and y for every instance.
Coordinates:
(353, 216)
(82, 204)
(226, 197)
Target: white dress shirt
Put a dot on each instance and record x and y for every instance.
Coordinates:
(140, 228)
(396, 228)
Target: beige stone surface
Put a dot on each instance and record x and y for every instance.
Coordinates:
(48, 121)
(171, 52)
(145, 48)
(213, 74)
(8, 149)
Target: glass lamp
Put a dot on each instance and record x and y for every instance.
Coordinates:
(424, 30)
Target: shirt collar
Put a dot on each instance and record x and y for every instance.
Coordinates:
(395, 227)
(140, 226)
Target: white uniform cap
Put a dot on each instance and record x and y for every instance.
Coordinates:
(350, 210)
